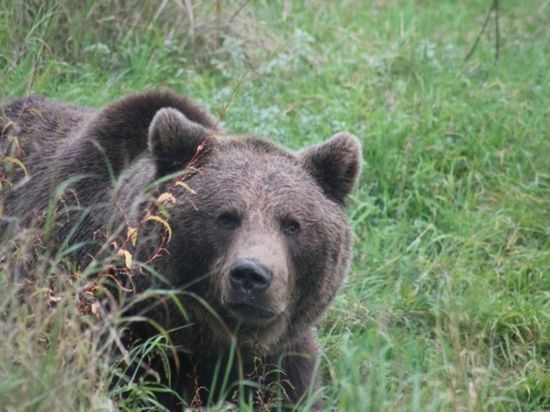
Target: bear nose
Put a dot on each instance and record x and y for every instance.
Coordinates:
(249, 276)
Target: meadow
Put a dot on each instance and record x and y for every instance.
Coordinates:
(447, 304)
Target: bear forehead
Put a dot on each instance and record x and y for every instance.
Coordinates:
(253, 174)
(253, 163)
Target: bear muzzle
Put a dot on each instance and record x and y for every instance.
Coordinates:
(249, 278)
(249, 283)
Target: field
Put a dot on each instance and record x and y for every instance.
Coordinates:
(447, 304)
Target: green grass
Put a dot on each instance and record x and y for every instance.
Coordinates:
(447, 303)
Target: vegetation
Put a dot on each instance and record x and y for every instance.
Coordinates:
(447, 303)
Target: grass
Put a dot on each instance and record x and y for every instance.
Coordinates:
(447, 303)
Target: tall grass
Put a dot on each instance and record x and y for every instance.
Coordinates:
(446, 306)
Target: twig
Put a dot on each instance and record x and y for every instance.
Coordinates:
(494, 7)
(219, 38)
(497, 30)
(239, 9)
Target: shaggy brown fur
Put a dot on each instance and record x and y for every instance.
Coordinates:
(259, 233)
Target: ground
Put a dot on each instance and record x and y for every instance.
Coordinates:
(446, 306)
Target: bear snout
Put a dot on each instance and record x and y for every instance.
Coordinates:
(249, 297)
(248, 277)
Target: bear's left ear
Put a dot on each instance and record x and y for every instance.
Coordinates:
(335, 165)
(174, 140)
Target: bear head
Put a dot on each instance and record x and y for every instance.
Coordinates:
(260, 242)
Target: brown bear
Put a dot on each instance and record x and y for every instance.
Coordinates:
(253, 235)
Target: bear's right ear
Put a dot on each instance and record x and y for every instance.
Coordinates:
(174, 140)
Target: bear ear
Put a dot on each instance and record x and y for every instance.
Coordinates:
(174, 140)
(335, 165)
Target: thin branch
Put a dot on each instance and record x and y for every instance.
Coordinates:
(239, 9)
(497, 30)
(494, 6)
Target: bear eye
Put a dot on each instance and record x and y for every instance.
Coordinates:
(291, 227)
(228, 220)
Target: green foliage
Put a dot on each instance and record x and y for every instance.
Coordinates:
(446, 306)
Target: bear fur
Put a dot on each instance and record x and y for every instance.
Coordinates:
(258, 238)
